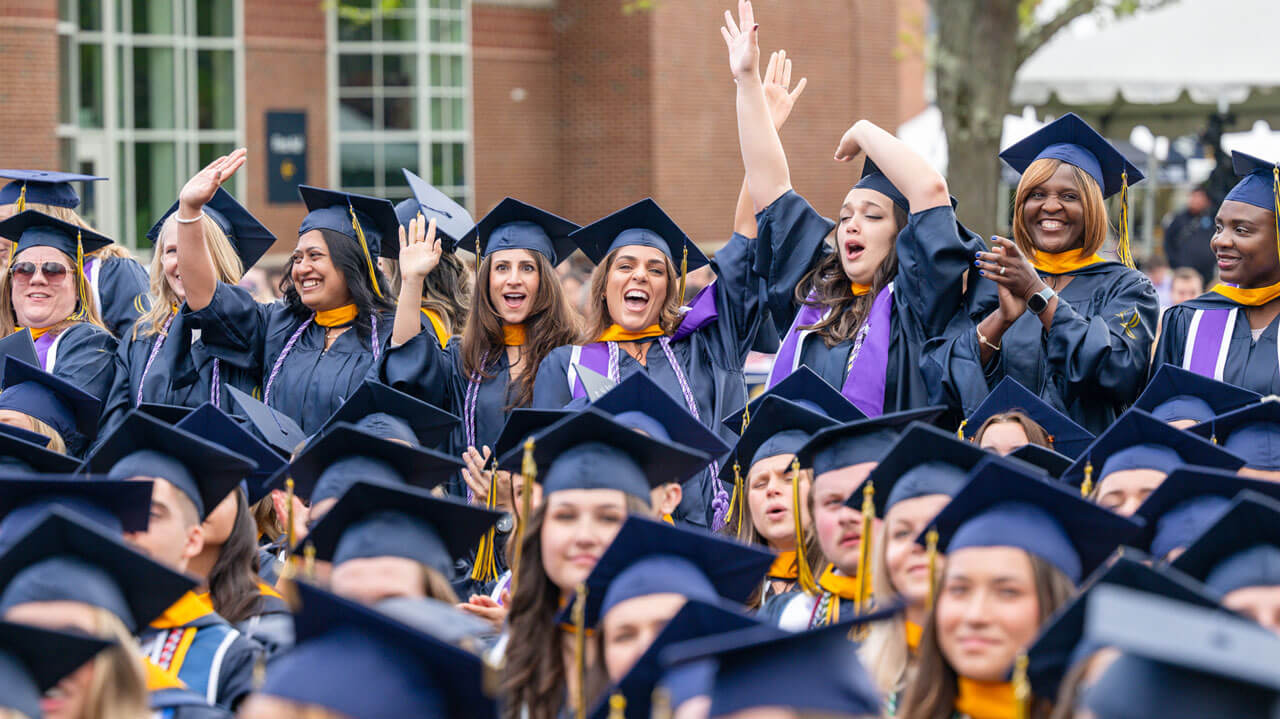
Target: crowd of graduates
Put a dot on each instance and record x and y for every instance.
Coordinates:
(976, 483)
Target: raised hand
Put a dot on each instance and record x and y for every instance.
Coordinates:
(741, 39)
(419, 249)
(849, 146)
(201, 187)
(777, 88)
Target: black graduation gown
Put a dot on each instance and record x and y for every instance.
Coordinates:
(1249, 364)
(120, 286)
(84, 355)
(711, 359)
(933, 252)
(312, 382)
(218, 661)
(1091, 364)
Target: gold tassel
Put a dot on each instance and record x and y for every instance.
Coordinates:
(1275, 190)
(259, 671)
(746, 419)
(960, 429)
(1213, 432)
(82, 282)
(617, 706)
(1021, 688)
(684, 271)
(1123, 250)
(364, 247)
(738, 498)
(804, 577)
(528, 472)
(864, 547)
(486, 564)
(1086, 487)
(309, 561)
(931, 542)
(660, 704)
(21, 204)
(580, 650)
(288, 530)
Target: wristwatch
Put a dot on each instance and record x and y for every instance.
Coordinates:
(1039, 302)
(505, 523)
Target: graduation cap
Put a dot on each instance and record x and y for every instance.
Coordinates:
(1175, 394)
(514, 225)
(69, 410)
(640, 403)
(695, 619)
(1005, 506)
(592, 450)
(430, 425)
(119, 507)
(1186, 503)
(250, 238)
(1179, 661)
(275, 427)
(167, 413)
(44, 187)
(1257, 185)
(595, 384)
(1241, 549)
(763, 666)
(19, 346)
(1139, 441)
(924, 460)
(804, 387)
(143, 446)
(873, 179)
(648, 556)
(218, 427)
(440, 619)
(861, 441)
(778, 426)
(1073, 141)
(1067, 437)
(1251, 432)
(379, 520)
(1062, 644)
(334, 461)
(19, 453)
(67, 557)
(361, 663)
(643, 223)
(31, 228)
(524, 422)
(1051, 462)
(453, 221)
(33, 660)
(333, 210)
(25, 435)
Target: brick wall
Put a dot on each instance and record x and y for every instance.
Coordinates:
(29, 97)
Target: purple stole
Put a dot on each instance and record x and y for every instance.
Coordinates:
(43, 346)
(868, 359)
(1208, 339)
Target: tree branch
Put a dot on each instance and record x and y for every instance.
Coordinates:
(1034, 39)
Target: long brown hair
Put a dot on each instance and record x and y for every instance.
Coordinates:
(233, 579)
(445, 291)
(598, 318)
(82, 313)
(741, 527)
(550, 324)
(1035, 433)
(226, 266)
(828, 281)
(932, 692)
(534, 679)
(1096, 223)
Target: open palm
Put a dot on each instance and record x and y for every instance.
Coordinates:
(777, 88)
(741, 39)
(202, 186)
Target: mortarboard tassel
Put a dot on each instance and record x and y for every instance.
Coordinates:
(1021, 688)
(259, 671)
(660, 704)
(1275, 191)
(288, 530)
(1213, 430)
(21, 204)
(309, 561)
(364, 247)
(684, 271)
(617, 706)
(528, 472)
(931, 542)
(580, 650)
(82, 282)
(486, 565)
(960, 429)
(736, 501)
(864, 547)
(804, 577)
(1086, 487)
(1123, 250)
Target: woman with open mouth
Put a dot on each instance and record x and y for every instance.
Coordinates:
(313, 348)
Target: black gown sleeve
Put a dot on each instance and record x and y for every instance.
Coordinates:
(791, 238)
(233, 327)
(122, 289)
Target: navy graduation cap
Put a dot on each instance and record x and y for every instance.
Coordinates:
(1257, 185)
(167, 413)
(33, 660)
(213, 424)
(592, 450)
(66, 557)
(1139, 441)
(1051, 462)
(69, 410)
(806, 388)
(248, 236)
(1062, 644)
(274, 427)
(32, 228)
(778, 426)
(524, 422)
(873, 179)
(430, 426)
(363, 664)
(1004, 506)
(21, 453)
(379, 520)
(1241, 549)
(332, 462)
(1186, 503)
(514, 225)
(44, 187)
(453, 221)
(641, 404)
(117, 506)
(1073, 141)
(143, 446)
(924, 460)
(1068, 437)
(1175, 394)
(1251, 432)
(643, 223)
(20, 346)
(25, 435)
(652, 557)
(332, 210)
(860, 441)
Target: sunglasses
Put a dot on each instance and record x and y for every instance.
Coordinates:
(53, 271)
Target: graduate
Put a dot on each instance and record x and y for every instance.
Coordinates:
(446, 289)
(1252, 433)
(1012, 416)
(825, 301)
(161, 359)
(1129, 460)
(118, 283)
(191, 477)
(518, 313)
(45, 292)
(1186, 504)
(36, 401)
(1182, 399)
(1230, 333)
(311, 349)
(33, 661)
(1072, 327)
(1009, 534)
(594, 473)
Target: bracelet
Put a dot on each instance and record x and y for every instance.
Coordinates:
(193, 220)
(983, 339)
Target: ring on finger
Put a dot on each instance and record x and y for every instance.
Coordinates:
(1002, 269)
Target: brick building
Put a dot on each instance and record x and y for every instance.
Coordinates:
(578, 106)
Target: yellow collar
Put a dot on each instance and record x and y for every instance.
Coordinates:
(617, 334)
(36, 332)
(784, 566)
(1252, 297)
(158, 679)
(337, 317)
(513, 335)
(859, 290)
(269, 591)
(985, 700)
(844, 587)
(668, 519)
(437, 325)
(186, 610)
(914, 632)
(1064, 262)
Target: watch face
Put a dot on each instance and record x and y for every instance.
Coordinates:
(506, 523)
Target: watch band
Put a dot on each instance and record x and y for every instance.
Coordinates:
(1044, 296)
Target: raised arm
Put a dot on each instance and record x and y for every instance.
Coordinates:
(195, 265)
(419, 255)
(915, 178)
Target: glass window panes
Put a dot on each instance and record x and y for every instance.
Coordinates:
(215, 97)
(446, 71)
(355, 70)
(355, 113)
(215, 18)
(446, 30)
(90, 14)
(395, 156)
(400, 27)
(399, 70)
(67, 102)
(399, 113)
(155, 182)
(89, 104)
(153, 88)
(358, 164)
(153, 18)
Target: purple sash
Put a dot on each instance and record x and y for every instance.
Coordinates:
(595, 356)
(868, 359)
(1206, 341)
(43, 345)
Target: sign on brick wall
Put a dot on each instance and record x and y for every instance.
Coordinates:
(286, 155)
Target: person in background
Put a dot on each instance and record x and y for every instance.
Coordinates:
(1187, 236)
(1188, 284)
(1157, 270)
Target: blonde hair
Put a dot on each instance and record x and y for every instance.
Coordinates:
(598, 319)
(119, 686)
(226, 264)
(1096, 223)
(56, 442)
(69, 215)
(87, 313)
(884, 652)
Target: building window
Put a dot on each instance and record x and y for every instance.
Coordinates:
(401, 69)
(151, 92)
